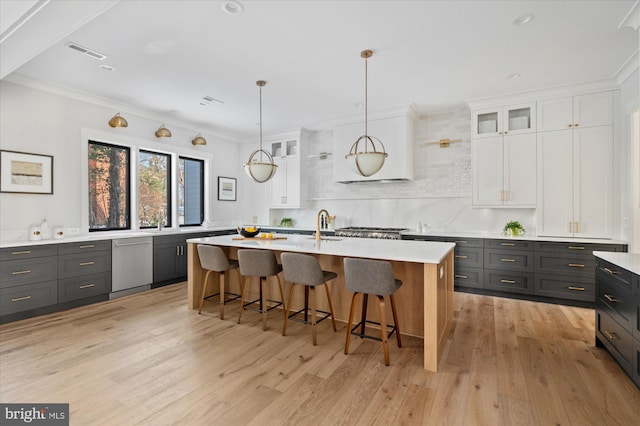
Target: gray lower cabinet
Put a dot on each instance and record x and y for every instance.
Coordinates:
(84, 270)
(508, 266)
(617, 316)
(28, 296)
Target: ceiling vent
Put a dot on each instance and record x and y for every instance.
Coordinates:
(206, 100)
(88, 52)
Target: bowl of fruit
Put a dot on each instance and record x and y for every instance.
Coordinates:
(249, 231)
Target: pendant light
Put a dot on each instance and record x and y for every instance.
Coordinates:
(258, 168)
(163, 132)
(118, 121)
(364, 157)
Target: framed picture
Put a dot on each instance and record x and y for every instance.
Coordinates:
(26, 173)
(226, 188)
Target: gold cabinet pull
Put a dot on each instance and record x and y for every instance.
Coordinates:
(610, 335)
(459, 256)
(501, 196)
(576, 248)
(87, 263)
(87, 286)
(508, 244)
(575, 288)
(508, 260)
(18, 299)
(21, 272)
(576, 125)
(569, 227)
(576, 265)
(506, 195)
(609, 271)
(610, 298)
(87, 246)
(461, 276)
(460, 242)
(577, 226)
(570, 125)
(508, 281)
(21, 252)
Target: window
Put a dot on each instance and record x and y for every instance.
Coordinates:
(154, 189)
(109, 177)
(190, 191)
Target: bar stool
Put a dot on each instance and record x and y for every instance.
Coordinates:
(375, 277)
(304, 269)
(261, 264)
(213, 259)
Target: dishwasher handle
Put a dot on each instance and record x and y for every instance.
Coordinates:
(131, 244)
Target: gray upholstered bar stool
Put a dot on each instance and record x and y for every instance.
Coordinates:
(304, 269)
(375, 277)
(213, 259)
(261, 264)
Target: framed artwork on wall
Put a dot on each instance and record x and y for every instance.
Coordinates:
(226, 188)
(26, 173)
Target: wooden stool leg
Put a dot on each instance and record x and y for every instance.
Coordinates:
(281, 292)
(286, 310)
(312, 293)
(204, 290)
(351, 311)
(222, 274)
(263, 301)
(244, 294)
(365, 301)
(395, 319)
(333, 319)
(383, 329)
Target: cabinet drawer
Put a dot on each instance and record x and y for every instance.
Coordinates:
(509, 281)
(83, 247)
(468, 257)
(28, 271)
(565, 287)
(635, 374)
(464, 242)
(509, 244)
(508, 260)
(468, 277)
(26, 297)
(635, 282)
(84, 286)
(577, 248)
(618, 341)
(615, 300)
(575, 265)
(28, 252)
(72, 265)
(614, 274)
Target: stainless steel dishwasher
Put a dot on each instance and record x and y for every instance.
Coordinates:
(131, 265)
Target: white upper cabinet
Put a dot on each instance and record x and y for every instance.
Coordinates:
(288, 185)
(595, 109)
(504, 120)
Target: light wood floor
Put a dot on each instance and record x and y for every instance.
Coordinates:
(146, 359)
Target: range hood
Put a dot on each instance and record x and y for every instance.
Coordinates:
(394, 129)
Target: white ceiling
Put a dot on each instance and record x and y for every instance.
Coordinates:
(433, 54)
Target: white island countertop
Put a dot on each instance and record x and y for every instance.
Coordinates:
(628, 261)
(399, 250)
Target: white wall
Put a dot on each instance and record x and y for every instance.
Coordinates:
(629, 102)
(42, 122)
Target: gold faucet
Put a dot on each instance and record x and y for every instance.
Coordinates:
(318, 222)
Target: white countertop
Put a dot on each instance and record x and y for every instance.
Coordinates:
(500, 236)
(628, 261)
(400, 250)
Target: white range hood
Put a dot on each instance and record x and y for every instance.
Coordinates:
(395, 130)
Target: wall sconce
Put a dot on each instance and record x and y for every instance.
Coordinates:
(199, 140)
(163, 132)
(118, 121)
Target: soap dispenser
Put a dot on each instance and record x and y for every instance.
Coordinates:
(45, 230)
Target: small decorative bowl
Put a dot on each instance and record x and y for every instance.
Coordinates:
(248, 234)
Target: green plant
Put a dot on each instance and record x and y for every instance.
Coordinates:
(286, 221)
(513, 227)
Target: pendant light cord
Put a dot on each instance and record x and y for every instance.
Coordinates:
(261, 124)
(366, 102)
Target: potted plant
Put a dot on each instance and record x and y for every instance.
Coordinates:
(286, 221)
(513, 229)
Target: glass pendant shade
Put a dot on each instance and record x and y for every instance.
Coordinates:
(256, 168)
(368, 162)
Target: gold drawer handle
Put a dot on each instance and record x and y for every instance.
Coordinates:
(461, 276)
(610, 335)
(508, 260)
(459, 256)
(576, 288)
(576, 265)
(508, 244)
(87, 263)
(88, 246)
(460, 242)
(87, 286)
(508, 281)
(611, 298)
(17, 299)
(610, 271)
(576, 248)
(21, 252)
(20, 272)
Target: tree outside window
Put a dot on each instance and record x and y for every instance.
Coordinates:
(154, 189)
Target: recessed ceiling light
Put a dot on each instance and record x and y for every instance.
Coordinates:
(232, 7)
(513, 76)
(359, 105)
(523, 19)
(108, 68)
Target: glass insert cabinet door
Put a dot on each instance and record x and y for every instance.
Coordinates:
(504, 120)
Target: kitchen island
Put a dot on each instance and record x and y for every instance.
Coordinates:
(425, 301)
